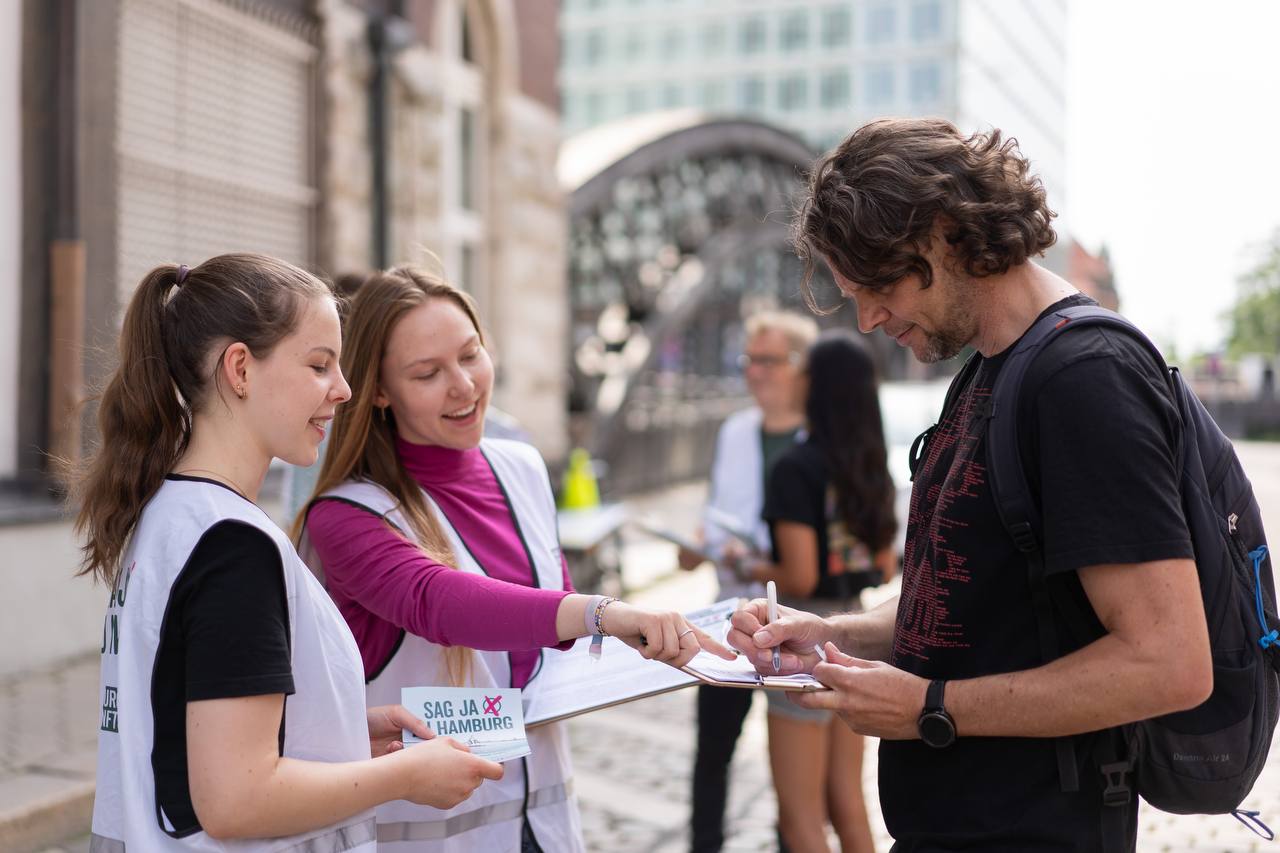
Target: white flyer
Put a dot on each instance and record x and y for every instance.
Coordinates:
(490, 722)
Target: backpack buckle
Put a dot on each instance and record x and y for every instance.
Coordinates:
(1117, 793)
(1023, 536)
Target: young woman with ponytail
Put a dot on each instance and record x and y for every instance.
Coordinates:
(441, 551)
(829, 506)
(213, 620)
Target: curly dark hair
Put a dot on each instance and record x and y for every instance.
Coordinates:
(873, 203)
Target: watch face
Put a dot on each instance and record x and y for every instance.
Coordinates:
(936, 729)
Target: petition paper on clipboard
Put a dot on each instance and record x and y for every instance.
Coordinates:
(571, 683)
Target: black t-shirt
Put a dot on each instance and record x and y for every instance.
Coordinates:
(799, 490)
(225, 634)
(1098, 433)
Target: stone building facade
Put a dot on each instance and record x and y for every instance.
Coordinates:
(150, 131)
(471, 138)
(341, 135)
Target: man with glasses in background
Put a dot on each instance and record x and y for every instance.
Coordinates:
(747, 444)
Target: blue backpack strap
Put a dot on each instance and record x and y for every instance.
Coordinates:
(1018, 510)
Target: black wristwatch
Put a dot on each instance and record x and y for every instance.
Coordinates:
(935, 725)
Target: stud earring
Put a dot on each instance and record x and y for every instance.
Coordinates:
(240, 391)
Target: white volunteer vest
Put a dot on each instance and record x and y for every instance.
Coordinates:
(491, 819)
(323, 721)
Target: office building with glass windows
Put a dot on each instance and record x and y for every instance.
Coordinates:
(822, 67)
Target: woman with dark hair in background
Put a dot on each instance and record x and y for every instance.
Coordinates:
(829, 504)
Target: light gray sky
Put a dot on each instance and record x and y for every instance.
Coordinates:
(1174, 152)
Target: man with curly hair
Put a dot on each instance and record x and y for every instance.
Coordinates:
(986, 745)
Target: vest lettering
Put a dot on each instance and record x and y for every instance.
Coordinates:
(110, 719)
(122, 585)
(111, 634)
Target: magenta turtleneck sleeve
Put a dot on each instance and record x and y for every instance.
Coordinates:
(383, 584)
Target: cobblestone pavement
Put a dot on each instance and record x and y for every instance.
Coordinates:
(633, 762)
(45, 715)
(632, 769)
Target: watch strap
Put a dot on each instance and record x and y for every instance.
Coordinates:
(933, 696)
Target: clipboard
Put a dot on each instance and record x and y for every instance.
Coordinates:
(570, 683)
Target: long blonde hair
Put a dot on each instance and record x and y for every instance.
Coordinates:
(362, 446)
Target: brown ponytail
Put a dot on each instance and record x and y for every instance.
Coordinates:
(171, 333)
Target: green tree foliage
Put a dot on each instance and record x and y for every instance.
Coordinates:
(1255, 319)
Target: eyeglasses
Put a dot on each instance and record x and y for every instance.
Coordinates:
(767, 361)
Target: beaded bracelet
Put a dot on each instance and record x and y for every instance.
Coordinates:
(597, 620)
(597, 616)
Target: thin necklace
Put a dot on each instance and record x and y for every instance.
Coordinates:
(222, 478)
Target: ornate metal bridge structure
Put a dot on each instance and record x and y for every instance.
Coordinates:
(678, 230)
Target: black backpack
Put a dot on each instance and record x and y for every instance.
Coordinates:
(1204, 760)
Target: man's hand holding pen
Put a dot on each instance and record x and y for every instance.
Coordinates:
(794, 633)
(872, 697)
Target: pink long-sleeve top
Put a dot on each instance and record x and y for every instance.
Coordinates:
(384, 584)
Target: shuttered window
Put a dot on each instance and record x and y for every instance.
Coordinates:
(215, 140)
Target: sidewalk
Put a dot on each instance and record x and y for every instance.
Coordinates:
(48, 747)
(632, 762)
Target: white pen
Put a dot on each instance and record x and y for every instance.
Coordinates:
(771, 590)
(821, 654)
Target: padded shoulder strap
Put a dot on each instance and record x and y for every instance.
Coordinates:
(1009, 488)
(1004, 461)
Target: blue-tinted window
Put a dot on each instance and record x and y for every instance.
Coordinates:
(568, 50)
(880, 86)
(926, 20)
(834, 89)
(752, 35)
(793, 92)
(672, 96)
(595, 108)
(633, 46)
(713, 39)
(672, 43)
(881, 24)
(594, 47)
(837, 26)
(751, 93)
(925, 83)
(711, 95)
(571, 109)
(637, 100)
(794, 33)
